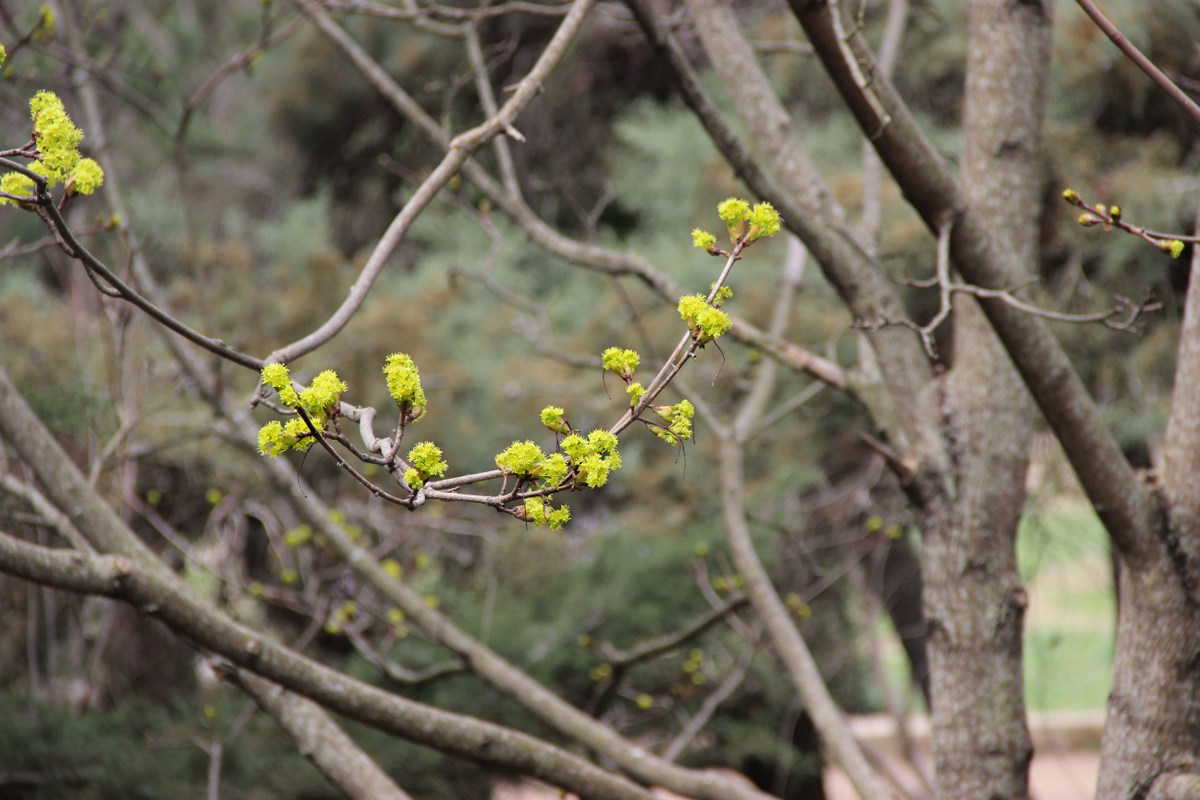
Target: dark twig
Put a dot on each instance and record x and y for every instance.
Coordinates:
(1125, 316)
(668, 641)
(1144, 64)
(1110, 217)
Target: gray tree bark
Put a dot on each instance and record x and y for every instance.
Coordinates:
(970, 489)
(1151, 742)
(1152, 731)
(973, 596)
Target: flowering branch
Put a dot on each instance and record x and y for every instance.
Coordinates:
(1110, 217)
(1126, 315)
(1144, 64)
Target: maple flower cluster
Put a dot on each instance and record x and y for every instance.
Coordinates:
(319, 400)
(56, 157)
(577, 461)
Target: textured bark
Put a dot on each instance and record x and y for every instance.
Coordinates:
(335, 755)
(1152, 731)
(789, 183)
(931, 188)
(1152, 728)
(973, 595)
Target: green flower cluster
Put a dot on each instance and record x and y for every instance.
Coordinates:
(635, 391)
(680, 418)
(427, 462)
(705, 322)
(552, 418)
(523, 459)
(539, 512)
(723, 294)
(16, 184)
(319, 400)
(622, 362)
(58, 159)
(56, 136)
(86, 178)
(276, 438)
(592, 458)
(323, 394)
(1172, 246)
(733, 212)
(745, 224)
(526, 460)
(754, 223)
(704, 240)
(404, 385)
(554, 469)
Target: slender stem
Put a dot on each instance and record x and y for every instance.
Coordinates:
(458, 150)
(1144, 64)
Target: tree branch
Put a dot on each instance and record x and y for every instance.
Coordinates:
(319, 739)
(785, 638)
(457, 151)
(160, 593)
(584, 254)
(1118, 497)
(1144, 64)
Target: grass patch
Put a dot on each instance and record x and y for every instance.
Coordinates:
(1069, 627)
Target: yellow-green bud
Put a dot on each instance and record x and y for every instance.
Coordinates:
(1172, 246)
(552, 418)
(704, 240)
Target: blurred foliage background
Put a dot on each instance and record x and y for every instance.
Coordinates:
(256, 216)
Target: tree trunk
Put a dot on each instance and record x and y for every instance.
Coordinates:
(973, 595)
(1149, 748)
(1152, 731)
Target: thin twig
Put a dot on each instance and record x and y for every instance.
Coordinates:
(711, 703)
(1142, 63)
(1125, 316)
(669, 641)
(483, 12)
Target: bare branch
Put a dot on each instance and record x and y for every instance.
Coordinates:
(449, 12)
(669, 641)
(1142, 63)
(45, 509)
(711, 703)
(398, 673)
(1119, 498)
(1124, 316)
(458, 150)
(335, 755)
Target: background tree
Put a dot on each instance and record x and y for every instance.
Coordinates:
(267, 176)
